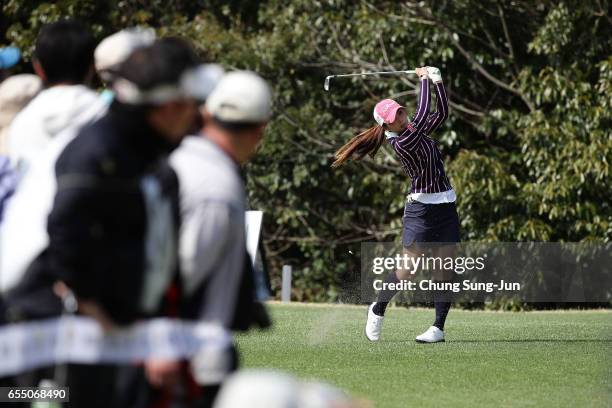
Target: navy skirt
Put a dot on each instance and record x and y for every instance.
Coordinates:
(430, 223)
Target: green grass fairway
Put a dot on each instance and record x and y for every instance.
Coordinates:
(490, 359)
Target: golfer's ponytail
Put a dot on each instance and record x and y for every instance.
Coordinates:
(367, 142)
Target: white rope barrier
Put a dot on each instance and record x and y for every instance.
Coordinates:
(77, 339)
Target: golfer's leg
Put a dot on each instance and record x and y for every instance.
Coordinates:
(377, 309)
(385, 295)
(443, 298)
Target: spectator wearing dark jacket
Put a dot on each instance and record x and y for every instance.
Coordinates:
(113, 226)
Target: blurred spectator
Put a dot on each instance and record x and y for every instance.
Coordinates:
(28, 209)
(217, 275)
(112, 230)
(63, 59)
(8, 182)
(115, 49)
(258, 388)
(15, 93)
(9, 56)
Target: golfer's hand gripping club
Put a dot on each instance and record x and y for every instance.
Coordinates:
(434, 74)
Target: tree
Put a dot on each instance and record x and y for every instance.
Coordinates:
(528, 145)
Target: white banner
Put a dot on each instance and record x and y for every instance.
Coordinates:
(76, 339)
(252, 228)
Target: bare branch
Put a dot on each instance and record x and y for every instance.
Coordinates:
(507, 35)
(467, 110)
(603, 12)
(491, 44)
(490, 77)
(274, 253)
(384, 49)
(390, 16)
(301, 131)
(475, 64)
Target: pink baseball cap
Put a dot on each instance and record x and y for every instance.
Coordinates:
(385, 111)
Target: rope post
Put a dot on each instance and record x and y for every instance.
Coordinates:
(286, 284)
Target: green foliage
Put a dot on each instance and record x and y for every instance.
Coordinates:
(528, 144)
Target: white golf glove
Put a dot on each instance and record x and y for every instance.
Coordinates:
(434, 74)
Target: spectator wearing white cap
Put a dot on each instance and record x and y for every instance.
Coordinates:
(216, 272)
(115, 49)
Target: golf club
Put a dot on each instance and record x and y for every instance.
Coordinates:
(329, 77)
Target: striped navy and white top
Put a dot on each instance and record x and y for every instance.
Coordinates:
(418, 153)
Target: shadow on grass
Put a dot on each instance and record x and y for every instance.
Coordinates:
(513, 341)
(535, 341)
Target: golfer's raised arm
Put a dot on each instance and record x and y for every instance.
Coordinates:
(434, 120)
(422, 112)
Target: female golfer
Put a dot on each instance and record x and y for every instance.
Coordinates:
(430, 215)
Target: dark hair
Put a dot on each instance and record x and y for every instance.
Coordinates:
(65, 50)
(366, 142)
(163, 62)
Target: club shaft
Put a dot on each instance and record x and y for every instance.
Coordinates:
(329, 77)
(373, 73)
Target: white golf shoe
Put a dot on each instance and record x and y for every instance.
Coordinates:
(373, 325)
(431, 335)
